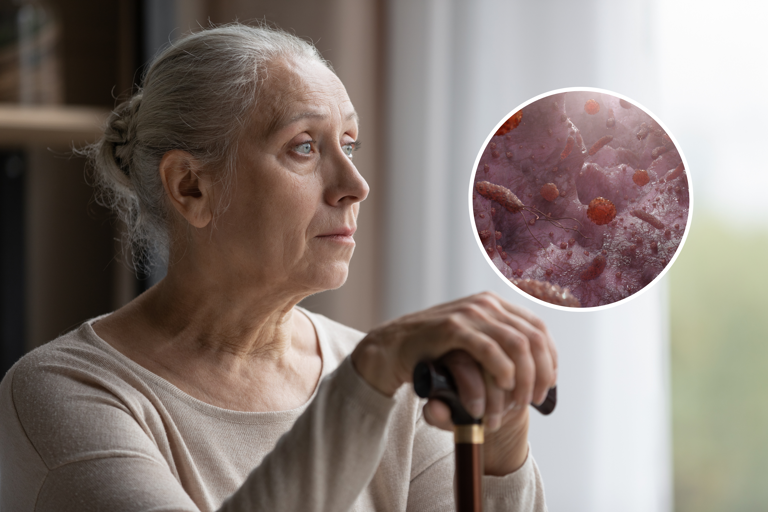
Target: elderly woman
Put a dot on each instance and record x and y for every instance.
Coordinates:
(213, 390)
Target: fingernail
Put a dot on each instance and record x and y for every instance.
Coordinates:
(476, 407)
(512, 405)
(494, 422)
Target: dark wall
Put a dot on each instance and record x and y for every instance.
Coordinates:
(11, 258)
(100, 48)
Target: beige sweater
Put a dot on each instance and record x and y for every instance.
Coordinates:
(82, 427)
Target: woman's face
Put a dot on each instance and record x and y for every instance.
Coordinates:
(296, 192)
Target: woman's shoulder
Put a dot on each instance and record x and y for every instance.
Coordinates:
(68, 349)
(68, 376)
(64, 395)
(68, 355)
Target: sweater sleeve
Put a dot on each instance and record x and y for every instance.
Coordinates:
(433, 478)
(89, 452)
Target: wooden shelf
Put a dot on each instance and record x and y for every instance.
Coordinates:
(49, 126)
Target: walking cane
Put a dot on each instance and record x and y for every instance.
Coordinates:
(433, 380)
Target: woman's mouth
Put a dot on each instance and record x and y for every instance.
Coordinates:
(342, 235)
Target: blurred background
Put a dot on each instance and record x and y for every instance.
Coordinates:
(660, 399)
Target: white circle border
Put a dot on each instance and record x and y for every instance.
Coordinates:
(495, 268)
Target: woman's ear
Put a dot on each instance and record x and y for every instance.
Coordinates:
(189, 190)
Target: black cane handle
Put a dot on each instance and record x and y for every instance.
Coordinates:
(432, 379)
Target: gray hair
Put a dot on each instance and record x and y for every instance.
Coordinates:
(197, 96)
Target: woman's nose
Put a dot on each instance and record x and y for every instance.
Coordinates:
(346, 184)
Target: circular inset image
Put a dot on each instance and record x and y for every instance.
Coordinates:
(580, 198)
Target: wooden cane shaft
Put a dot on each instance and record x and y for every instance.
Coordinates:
(469, 468)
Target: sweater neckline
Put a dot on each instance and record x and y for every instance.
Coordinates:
(204, 407)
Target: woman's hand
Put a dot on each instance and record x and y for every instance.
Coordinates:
(506, 433)
(501, 356)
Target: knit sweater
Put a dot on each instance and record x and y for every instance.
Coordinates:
(83, 427)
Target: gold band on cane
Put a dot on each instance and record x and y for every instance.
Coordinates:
(468, 434)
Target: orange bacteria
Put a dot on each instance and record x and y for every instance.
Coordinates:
(676, 173)
(568, 148)
(591, 107)
(501, 195)
(595, 269)
(657, 152)
(647, 217)
(601, 211)
(597, 146)
(511, 123)
(640, 178)
(549, 192)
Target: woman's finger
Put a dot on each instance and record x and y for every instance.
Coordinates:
(515, 346)
(494, 403)
(457, 332)
(540, 347)
(553, 354)
(516, 311)
(518, 348)
(543, 349)
(437, 414)
(520, 318)
(495, 316)
(469, 380)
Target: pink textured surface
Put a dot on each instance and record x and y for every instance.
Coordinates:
(554, 241)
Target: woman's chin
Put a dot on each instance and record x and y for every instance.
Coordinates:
(328, 276)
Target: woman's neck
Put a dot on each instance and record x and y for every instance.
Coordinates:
(215, 316)
(227, 346)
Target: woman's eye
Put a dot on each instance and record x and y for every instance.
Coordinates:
(350, 148)
(304, 149)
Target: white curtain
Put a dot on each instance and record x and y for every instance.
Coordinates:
(455, 68)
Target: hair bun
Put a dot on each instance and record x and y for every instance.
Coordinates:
(121, 132)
